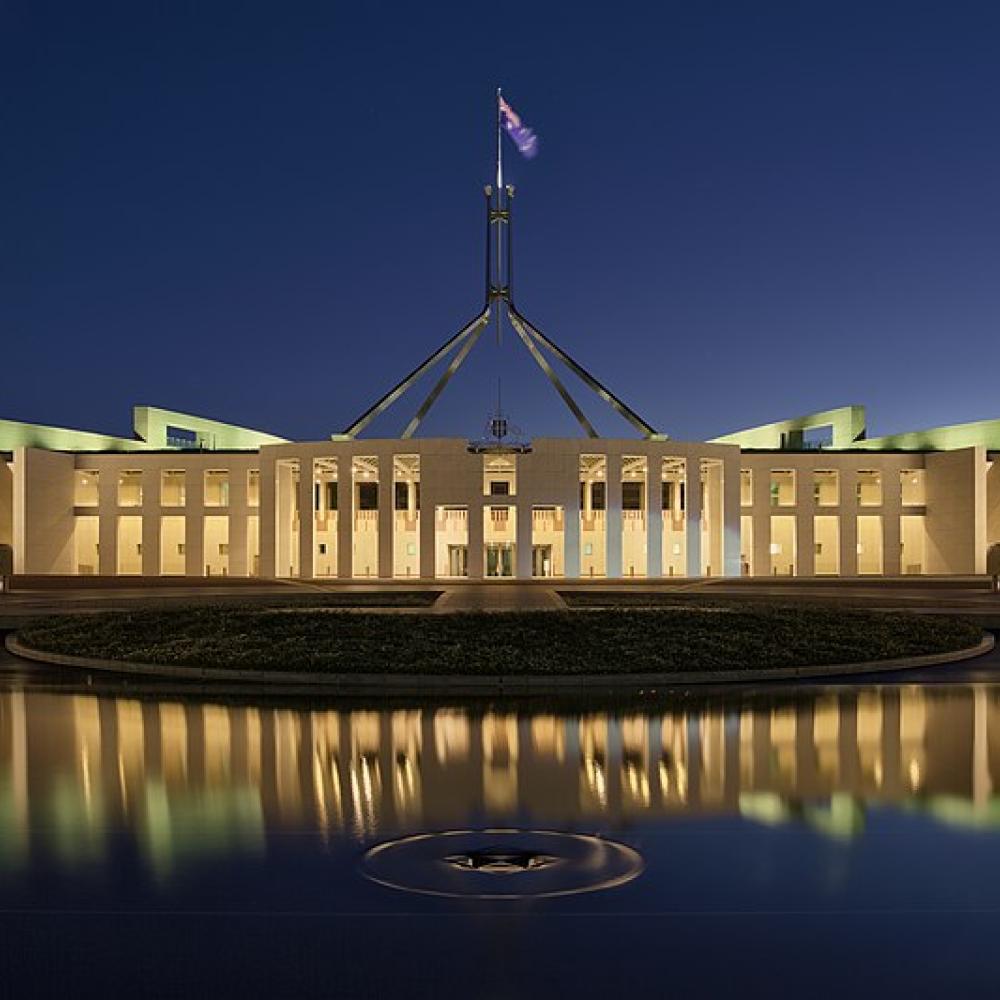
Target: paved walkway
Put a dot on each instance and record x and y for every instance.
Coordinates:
(942, 595)
(499, 597)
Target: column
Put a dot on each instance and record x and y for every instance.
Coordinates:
(654, 516)
(892, 509)
(150, 511)
(428, 525)
(194, 522)
(345, 517)
(848, 522)
(107, 531)
(523, 535)
(805, 527)
(386, 514)
(613, 517)
(307, 519)
(267, 513)
(761, 486)
(692, 514)
(570, 490)
(731, 515)
(239, 558)
(476, 537)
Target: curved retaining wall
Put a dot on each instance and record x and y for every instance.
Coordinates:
(431, 683)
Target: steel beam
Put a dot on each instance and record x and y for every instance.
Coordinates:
(456, 363)
(519, 329)
(397, 390)
(606, 394)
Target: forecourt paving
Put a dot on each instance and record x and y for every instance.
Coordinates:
(944, 595)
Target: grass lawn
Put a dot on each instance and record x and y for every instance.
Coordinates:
(707, 637)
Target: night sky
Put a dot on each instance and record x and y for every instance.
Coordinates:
(267, 213)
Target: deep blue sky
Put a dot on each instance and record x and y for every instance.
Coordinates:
(266, 213)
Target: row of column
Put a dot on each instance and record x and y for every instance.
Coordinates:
(442, 484)
(805, 510)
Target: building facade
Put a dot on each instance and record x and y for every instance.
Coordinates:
(193, 498)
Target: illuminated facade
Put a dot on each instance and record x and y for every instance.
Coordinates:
(191, 498)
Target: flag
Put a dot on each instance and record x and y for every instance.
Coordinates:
(522, 136)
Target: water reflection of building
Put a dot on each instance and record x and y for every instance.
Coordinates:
(188, 778)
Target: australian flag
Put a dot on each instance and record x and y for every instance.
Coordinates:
(525, 140)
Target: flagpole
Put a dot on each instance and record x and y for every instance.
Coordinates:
(499, 223)
(499, 148)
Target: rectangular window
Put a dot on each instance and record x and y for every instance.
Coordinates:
(869, 488)
(331, 496)
(367, 496)
(913, 487)
(130, 489)
(253, 488)
(181, 437)
(173, 488)
(499, 468)
(746, 488)
(217, 488)
(599, 496)
(129, 545)
(869, 544)
(782, 488)
(216, 549)
(172, 537)
(913, 544)
(826, 487)
(826, 539)
(85, 487)
(632, 495)
(401, 496)
(783, 546)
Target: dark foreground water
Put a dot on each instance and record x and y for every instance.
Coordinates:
(805, 843)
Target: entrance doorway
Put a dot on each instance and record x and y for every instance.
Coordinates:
(499, 559)
(541, 560)
(458, 560)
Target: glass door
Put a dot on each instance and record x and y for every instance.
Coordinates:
(499, 559)
(541, 560)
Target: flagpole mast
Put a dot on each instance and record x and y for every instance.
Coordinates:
(499, 224)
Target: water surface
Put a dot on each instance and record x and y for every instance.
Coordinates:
(810, 841)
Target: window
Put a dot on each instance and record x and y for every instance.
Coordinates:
(672, 496)
(632, 495)
(913, 487)
(331, 496)
(826, 487)
(746, 488)
(499, 475)
(782, 488)
(869, 544)
(367, 496)
(869, 488)
(181, 437)
(130, 489)
(253, 488)
(173, 488)
(598, 496)
(217, 488)
(85, 487)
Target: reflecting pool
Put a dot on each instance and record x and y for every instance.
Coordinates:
(815, 840)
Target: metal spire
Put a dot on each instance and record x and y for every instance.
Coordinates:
(499, 286)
